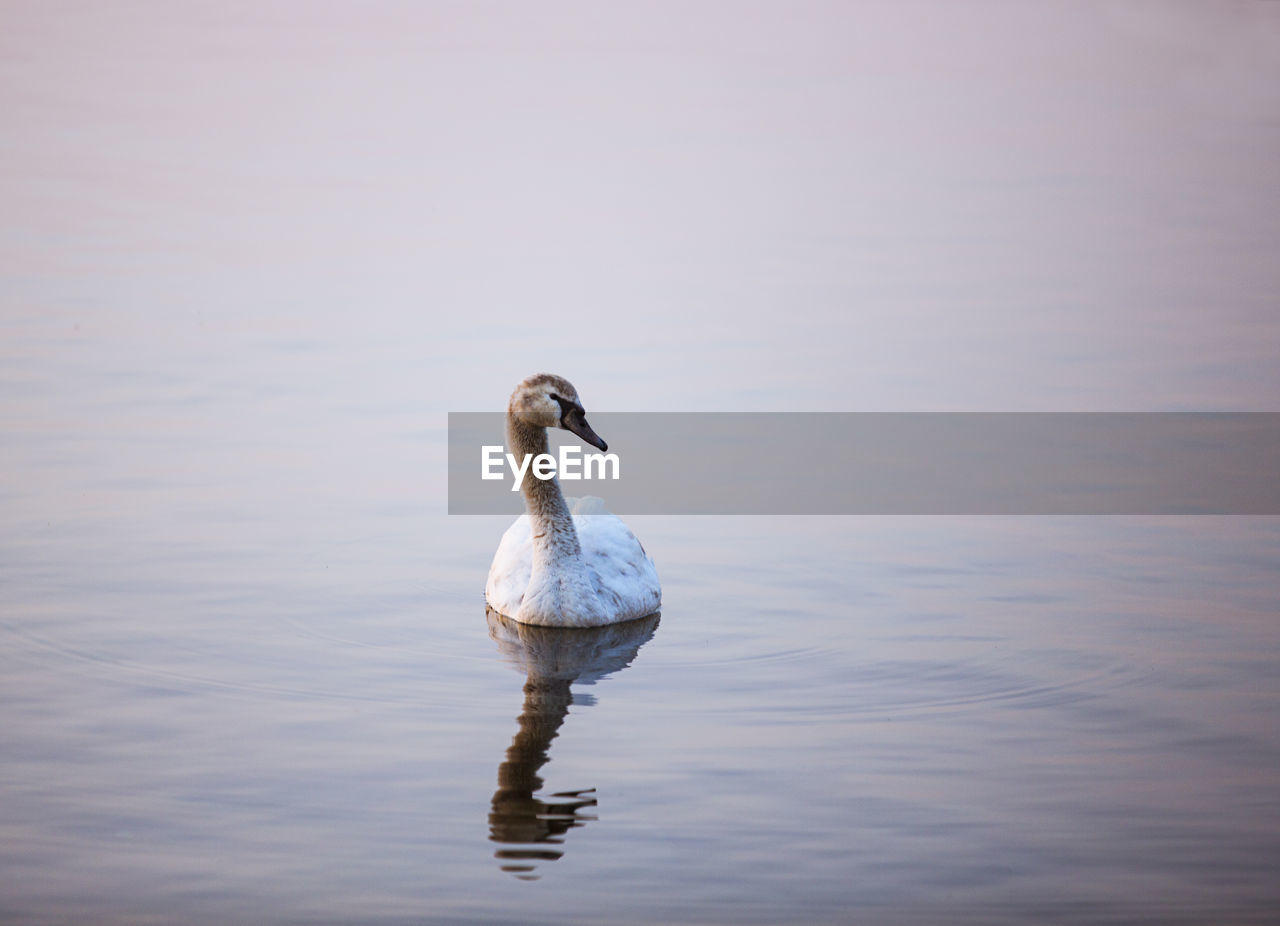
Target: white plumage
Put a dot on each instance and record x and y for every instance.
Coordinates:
(621, 576)
(562, 566)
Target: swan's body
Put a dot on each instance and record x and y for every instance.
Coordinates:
(556, 566)
(612, 579)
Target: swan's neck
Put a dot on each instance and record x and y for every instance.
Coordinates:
(555, 542)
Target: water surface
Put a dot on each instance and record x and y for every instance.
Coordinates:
(251, 258)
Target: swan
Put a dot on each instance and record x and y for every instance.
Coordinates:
(557, 566)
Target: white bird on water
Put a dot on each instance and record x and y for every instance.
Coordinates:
(556, 566)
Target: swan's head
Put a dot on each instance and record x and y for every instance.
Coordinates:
(548, 401)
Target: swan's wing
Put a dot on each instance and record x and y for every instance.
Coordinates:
(512, 565)
(625, 578)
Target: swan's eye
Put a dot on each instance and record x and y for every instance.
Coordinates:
(568, 407)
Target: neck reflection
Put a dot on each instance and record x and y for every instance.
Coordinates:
(531, 826)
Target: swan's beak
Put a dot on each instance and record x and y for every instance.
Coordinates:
(576, 421)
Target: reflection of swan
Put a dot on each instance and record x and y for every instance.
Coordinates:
(553, 658)
(555, 567)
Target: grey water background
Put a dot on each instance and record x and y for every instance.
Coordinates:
(252, 255)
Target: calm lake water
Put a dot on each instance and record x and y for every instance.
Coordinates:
(250, 259)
